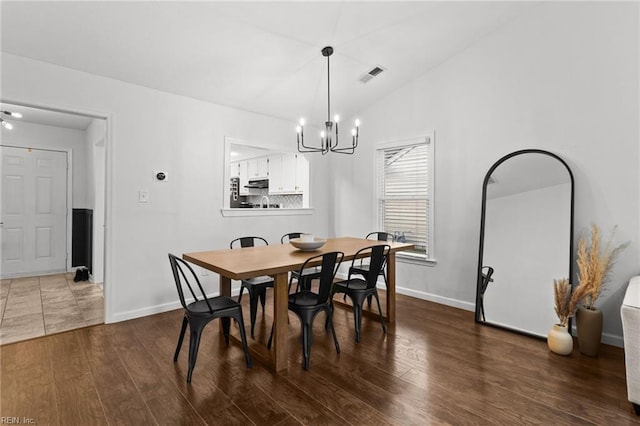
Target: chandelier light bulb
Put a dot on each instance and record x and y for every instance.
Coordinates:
(7, 125)
(302, 122)
(357, 123)
(336, 118)
(298, 129)
(353, 132)
(322, 134)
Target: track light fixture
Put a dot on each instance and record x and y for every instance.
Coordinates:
(7, 125)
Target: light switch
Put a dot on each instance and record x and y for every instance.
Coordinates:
(143, 196)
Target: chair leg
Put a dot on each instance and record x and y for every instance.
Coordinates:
(240, 295)
(306, 345)
(328, 320)
(357, 318)
(226, 324)
(384, 326)
(243, 337)
(185, 321)
(263, 297)
(194, 342)
(366, 277)
(333, 330)
(270, 339)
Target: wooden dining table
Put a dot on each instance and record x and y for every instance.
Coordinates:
(277, 261)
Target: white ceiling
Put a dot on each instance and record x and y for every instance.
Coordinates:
(258, 56)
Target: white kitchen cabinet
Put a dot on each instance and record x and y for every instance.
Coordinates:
(257, 168)
(243, 174)
(275, 174)
(288, 174)
(289, 165)
(234, 169)
(302, 176)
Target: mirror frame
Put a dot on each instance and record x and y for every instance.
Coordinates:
(482, 224)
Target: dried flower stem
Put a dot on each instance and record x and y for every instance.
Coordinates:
(595, 266)
(562, 298)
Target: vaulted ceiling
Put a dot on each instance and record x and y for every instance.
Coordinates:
(258, 56)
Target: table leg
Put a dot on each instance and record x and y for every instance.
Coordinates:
(225, 290)
(225, 286)
(391, 288)
(280, 310)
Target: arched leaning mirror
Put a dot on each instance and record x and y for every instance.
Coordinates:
(526, 240)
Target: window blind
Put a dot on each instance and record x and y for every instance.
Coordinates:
(404, 193)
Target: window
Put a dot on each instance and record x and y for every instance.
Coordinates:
(405, 192)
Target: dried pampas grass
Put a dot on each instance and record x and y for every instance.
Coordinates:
(562, 298)
(595, 264)
(566, 301)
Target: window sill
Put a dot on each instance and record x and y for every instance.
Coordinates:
(416, 259)
(265, 212)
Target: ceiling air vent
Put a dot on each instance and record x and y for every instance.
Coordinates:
(373, 72)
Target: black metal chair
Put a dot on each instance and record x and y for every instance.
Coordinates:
(257, 287)
(308, 274)
(358, 289)
(306, 304)
(486, 279)
(201, 311)
(363, 268)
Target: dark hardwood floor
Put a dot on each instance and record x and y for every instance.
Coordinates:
(434, 366)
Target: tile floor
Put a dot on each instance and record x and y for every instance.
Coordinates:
(37, 306)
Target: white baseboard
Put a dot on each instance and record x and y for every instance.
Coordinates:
(460, 304)
(455, 303)
(144, 312)
(156, 309)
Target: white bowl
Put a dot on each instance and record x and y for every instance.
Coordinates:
(307, 245)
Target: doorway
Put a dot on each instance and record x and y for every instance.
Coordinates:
(35, 301)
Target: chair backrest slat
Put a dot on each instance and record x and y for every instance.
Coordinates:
(379, 254)
(247, 242)
(288, 237)
(180, 277)
(380, 236)
(330, 264)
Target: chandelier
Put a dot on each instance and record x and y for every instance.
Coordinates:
(329, 136)
(7, 125)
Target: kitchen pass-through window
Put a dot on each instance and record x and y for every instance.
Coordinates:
(405, 192)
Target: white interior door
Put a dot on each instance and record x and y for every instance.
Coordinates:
(33, 211)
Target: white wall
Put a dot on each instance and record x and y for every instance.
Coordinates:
(96, 185)
(151, 130)
(31, 135)
(564, 78)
